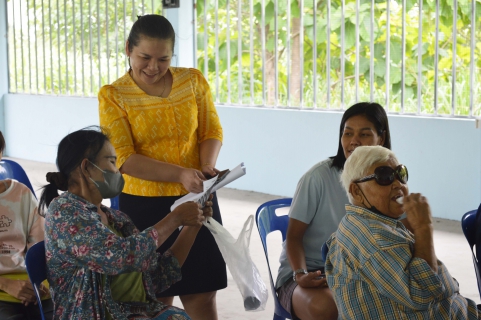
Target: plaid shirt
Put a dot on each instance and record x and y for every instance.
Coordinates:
(373, 274)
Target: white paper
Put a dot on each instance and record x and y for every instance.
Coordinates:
(195, 196)
(234, 174)
(209, 183)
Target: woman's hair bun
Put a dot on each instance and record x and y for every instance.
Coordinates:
(58, 179)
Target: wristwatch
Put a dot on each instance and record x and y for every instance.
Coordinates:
(295, 273)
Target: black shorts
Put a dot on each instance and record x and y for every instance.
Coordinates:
(204, 269)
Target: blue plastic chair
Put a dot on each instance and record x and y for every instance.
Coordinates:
(114, 203)
(324, 251)
(10, 169)
(267, 221)
(37, 269)
(468, 224)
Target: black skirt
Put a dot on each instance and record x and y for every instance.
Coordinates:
(204, 269)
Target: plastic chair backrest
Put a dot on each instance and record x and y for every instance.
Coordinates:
(10, 169)
(267, 221)
(37, 269)
(324, 251)
(468, 224)
(114, 203)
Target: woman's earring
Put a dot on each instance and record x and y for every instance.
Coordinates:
(130, 67)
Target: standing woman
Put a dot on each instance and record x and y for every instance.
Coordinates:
(167, 135)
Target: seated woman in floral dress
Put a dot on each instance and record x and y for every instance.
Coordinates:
(99, 265)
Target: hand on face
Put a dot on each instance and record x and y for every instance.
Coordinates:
(418, 211)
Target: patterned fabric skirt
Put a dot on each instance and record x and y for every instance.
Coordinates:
(204, 269)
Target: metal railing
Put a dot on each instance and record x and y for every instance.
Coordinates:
(412, 57)
(69, 47)
(415, 58)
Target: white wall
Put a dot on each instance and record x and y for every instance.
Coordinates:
(182, 19)
(277, 146)
(443, 155)
(35, 124)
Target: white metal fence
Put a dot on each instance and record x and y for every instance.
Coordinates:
(413, 57)
(69, 47)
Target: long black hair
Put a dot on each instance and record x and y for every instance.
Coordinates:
(152, 26)
(2, 142)
(82, 144)
(376, 114)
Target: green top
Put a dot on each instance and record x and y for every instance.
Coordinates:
(125, 287)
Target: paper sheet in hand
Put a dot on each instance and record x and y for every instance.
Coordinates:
(234, 174)
(196, 196)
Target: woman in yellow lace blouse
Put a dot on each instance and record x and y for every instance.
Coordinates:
(167, 135)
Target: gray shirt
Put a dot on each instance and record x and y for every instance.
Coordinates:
(319, 201)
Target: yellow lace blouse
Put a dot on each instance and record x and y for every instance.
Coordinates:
(167, 129)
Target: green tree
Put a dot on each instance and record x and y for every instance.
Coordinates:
(386, 72)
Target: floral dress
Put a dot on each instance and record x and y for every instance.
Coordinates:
(83, 255)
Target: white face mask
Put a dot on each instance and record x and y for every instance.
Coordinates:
(112, 185)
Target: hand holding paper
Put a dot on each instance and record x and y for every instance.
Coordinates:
(211, 185)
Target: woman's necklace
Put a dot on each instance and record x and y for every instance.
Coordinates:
(163, 90)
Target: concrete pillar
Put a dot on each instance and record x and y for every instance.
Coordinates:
(3, 61)
(182, 20)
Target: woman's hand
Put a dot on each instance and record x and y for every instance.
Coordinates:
(189, 214)
(44, 292)
(311, 279)
(209, 171)
(418, 211)
(192, 180)
(207, 210)
(22, 290)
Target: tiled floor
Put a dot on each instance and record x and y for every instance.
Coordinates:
(236, 206)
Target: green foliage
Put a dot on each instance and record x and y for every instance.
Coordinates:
(313, 69)
(73, 47)
(55, 48)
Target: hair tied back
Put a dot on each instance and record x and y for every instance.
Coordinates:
(58, 179)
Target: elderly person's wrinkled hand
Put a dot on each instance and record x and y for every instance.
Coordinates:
(189, 214)
(418, 211)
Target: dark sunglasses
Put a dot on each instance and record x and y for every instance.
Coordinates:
(385, 175)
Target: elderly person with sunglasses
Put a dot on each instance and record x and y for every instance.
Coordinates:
(378, 269)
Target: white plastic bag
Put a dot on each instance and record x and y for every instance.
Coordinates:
(238, 259)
